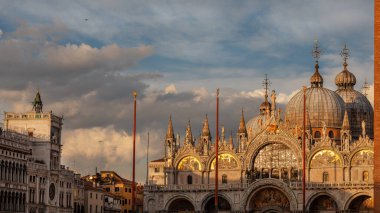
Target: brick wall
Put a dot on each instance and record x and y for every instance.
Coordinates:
(377, 107)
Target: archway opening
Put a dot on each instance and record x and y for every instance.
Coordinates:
(223, 205)
(275, 160)
(361, 203)
(323, 202)
(181, 205)
(269, 200)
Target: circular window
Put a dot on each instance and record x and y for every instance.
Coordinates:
(52, 191)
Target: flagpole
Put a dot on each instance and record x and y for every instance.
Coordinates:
(147, 161)
(216, 150)
(303, 150)
(134, 151)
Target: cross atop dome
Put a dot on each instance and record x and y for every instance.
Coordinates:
(345, 53)
(266, 84)
(316, 51)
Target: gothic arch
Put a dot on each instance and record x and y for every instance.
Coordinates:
(315, 195)
(354, 196)
(268, 183)
(211, 196)
(212, 157)
(315, 151)
(263, 140)
(177, 197)
(357, 150)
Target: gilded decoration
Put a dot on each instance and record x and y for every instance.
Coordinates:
(270, 197)
(363, 157)
(226, 161)
(275, 155)
(190, 163)
(325, 158)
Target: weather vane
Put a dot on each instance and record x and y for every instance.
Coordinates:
(316, 51)
(345, 53)
(365, 88)
(266, 83)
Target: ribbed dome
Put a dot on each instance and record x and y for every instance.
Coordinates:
(359, 109)
(322, 105)
(255, 124)
(345, 79)
(316, 79)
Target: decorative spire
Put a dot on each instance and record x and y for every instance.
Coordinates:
(231, 141)
(265, 106)
(37, 103)
(206, 128)
(345, 53)
(316, 79)
(346, 122)
(189, 135)
(242, 128)
(170, 132)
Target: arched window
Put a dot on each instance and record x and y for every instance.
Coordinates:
(189, 179)
(325, 177)
(331, 134)
(317, 134)
(224, 179)
(365, 176)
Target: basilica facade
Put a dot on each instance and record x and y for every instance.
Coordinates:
(260, 168)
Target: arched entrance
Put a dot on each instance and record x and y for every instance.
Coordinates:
(181, 205)
(323, 203)
(269, 200)
(223, 205)
(361, 203)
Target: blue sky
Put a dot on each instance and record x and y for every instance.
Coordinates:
(87, 57)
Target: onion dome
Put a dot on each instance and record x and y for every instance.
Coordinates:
(265, 106)
(345, 79)
(206, 128)
(316, 79)
(357, 105)
(323, 106)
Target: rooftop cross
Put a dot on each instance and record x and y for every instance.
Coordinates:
(266, 83)
(365, 88)
(345, 53)
(316, 51)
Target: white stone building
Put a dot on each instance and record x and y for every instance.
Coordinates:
(49, 184)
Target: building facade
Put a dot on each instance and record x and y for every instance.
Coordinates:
(48, 184)
(260, 168)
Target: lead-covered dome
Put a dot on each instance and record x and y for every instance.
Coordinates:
(323, 106)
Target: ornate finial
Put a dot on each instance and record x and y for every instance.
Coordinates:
(345, 53)
(37, 103)
(365, 88)
(170, 132)
(206, 128)
(266, 84)
(134, 93)
(316, 51)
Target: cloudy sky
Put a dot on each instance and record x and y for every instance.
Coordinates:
(86, 58)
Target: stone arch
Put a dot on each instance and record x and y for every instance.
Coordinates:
(211, 196)
(356, 151)
(178, 161)
(268, 183)
(212, 157)
(314, 198)
(314, 152)
(355, 196)
(263, 140)
(172, 202)
(151, 205)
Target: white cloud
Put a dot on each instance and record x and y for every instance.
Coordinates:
(170, 89)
